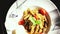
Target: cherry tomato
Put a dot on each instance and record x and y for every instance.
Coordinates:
(42, 11)
(21, 22)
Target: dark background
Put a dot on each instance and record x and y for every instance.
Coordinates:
(5, 5)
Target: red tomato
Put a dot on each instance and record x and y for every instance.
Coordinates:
(42, 11)
(21, 22)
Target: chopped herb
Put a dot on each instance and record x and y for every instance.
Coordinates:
(38, 21)
(32, 19)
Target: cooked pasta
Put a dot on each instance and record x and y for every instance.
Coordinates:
(35, 22)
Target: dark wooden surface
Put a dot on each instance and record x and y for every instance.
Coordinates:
(5, 5)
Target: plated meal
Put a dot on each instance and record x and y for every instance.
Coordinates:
(35, 21)
(31, 17)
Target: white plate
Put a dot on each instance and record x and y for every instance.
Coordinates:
(11, 22)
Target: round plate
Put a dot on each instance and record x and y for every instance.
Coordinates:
(15, 14)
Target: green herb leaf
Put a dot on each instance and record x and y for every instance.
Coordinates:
(38, 21)
(32, 19)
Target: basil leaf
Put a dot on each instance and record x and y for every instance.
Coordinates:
(32, 19)
(38, 21)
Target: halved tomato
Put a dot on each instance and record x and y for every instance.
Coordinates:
(21, 22)
(42, 11)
